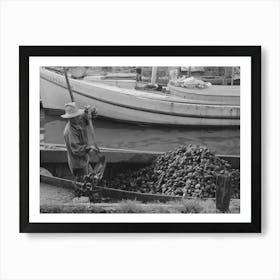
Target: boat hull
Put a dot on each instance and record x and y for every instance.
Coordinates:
(109, 192)
(57, 154)
(218, 95)
(53, 161)
(122, 83)
(133, 106)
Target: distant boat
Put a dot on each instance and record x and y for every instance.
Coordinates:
(130, 105)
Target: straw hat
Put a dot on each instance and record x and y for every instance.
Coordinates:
(72, 111)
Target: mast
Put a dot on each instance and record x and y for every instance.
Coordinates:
(232, 74)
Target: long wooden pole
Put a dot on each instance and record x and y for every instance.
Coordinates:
(68, 84)
(154, 75)
(92, 131)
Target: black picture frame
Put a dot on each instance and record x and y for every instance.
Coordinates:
(25, 52)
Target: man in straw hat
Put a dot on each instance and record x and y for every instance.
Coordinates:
(76, 139)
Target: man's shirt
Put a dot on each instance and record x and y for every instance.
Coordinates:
(76, 140)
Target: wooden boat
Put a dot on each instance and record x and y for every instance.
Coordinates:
(56, 153)
(133, 106)
(108, 192)
(53, 158)
(218, 95)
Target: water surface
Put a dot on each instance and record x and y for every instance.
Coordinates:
(146, 137)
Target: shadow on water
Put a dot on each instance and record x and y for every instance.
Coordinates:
(113, 134)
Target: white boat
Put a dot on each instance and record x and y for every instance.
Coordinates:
(218, 95)
(133, 106)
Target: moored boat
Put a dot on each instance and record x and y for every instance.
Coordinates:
(218, 95)
(130, 105)
(53, 158)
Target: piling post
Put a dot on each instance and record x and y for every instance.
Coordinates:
(223, 192)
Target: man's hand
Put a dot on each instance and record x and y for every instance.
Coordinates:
(90, 112)
(93, 148)
(93, 113)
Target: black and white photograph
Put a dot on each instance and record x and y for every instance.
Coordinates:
(128, 136)
(139, 139)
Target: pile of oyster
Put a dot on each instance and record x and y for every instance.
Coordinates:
(187, 171)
